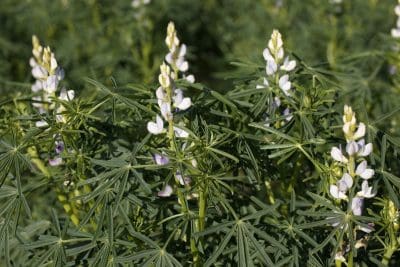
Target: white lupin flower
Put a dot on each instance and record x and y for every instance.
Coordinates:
(336, 193)
(181, 102)
(161, 96)
(364, 150)
(287, 114)
(363, 172)
(366, 229)
(277, 102)
(345, 183)
(352, 148)
(339, 190)
(182, 180)
(157, 127)
(165, 108)
(166, 191)
(337, 155)
(288, 65)
(264, 85)
(190, 78)
(41, 124)
(56, 161)
(357, 205)
(180, 132)
(161, 159)
(67, 95)
(395, 32)
(366, 191)
(285, 84)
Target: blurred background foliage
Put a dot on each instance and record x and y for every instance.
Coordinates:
(100, 39)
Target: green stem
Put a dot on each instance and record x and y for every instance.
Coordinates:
(350, 259)
(202, 209)
(181, 197)
(388, 254)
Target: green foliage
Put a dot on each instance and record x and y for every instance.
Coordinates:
(251, 182)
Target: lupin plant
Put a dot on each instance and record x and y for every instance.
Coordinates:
(277, 69)
(354, 171)
(261, 168)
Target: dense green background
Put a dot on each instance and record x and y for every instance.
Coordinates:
(100, 39)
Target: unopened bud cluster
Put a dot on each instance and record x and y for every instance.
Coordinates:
(277, 69)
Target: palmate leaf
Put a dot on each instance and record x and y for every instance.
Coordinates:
(122, 99)
(245, 240)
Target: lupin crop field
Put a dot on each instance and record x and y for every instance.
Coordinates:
(200, 133)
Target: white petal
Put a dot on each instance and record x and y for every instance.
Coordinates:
(190, 78)
(287, 113)
(367, 174)
(336, 193)
(346, 127)
(182, 50)
(169, 58)
(56, 161)
(288, 65)
(271, 67)
(345, 183)
(365, 150)
(397, 10)
(160, 93)
(156, 128)
(183, 66)
(180, 179)
(161, 159)
(39, 72)
(60, 73)
(361, 167)
(165, 109)
(40, 124)
(32, 62)
(284, 83)
(366, 191)
(356, 206)
(277, 102)
(37, 86)
(185, 103)
(360, 131)
(53, 62)
(352, 148)
(180, 132)
(280, 53)
(267, 55)
(337, 155)
(166, 191)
